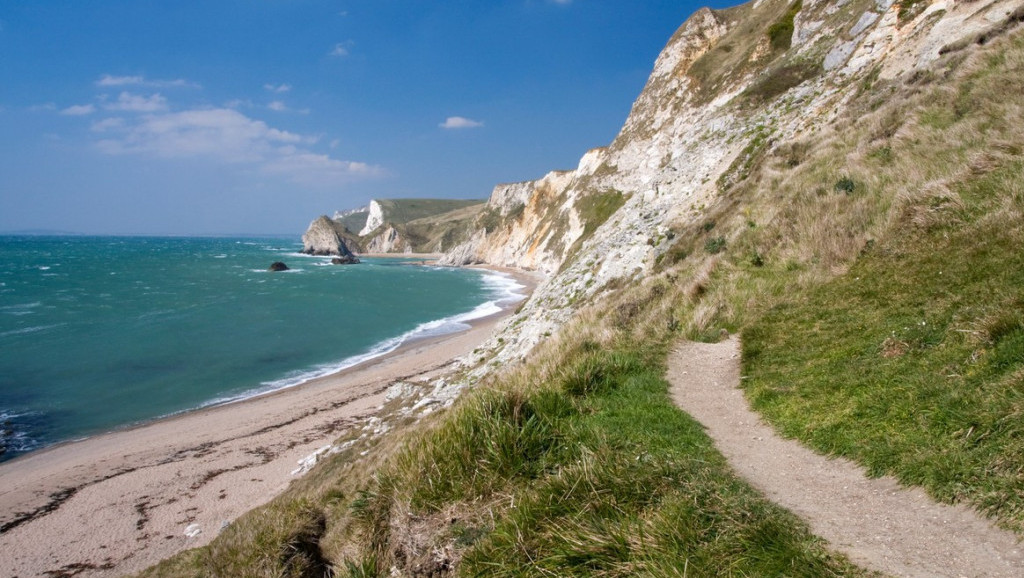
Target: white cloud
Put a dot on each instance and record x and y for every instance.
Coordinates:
(280, 106)
(460, 122)
(277, 88)
(228, 136)
(79, 110)
(46, 106)
(340, 49)
(316, 169)
(110, 80)
(129, 102)
(107, 124)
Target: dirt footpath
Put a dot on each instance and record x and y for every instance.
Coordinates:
(876, 522)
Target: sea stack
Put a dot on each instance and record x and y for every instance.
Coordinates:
(321, 238)
(278, 266)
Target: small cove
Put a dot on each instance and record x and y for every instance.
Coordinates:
(98, 333)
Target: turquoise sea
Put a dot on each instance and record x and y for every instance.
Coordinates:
(98, 333)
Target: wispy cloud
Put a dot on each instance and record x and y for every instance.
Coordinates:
(128, 102)
(79, 110)
(455, 122)
(228, 136)
(277, 88)
(106, 124)
(110, 80)
(280, 106)
(314, 169)
(340, 49)
(44, 107)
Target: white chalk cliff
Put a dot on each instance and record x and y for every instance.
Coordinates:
(719, 90)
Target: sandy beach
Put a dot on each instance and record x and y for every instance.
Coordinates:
(120, 502)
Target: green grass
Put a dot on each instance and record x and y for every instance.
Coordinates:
(778, 79)
(594, 209)
(281, 541)
(399, 211)
(355, 222)
(913, 361)
(780, 33)
(592, 472)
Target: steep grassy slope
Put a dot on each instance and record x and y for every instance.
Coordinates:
(353, 222)
(436, 233)
(872, 264)
(912, 361)
(577, 464)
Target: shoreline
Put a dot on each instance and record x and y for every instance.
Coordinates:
(524, 278)
(145, 484)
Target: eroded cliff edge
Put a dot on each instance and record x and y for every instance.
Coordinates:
(730, 88)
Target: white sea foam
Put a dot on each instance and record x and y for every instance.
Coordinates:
(14, 438)
(25, 330)
(505, 286)
(20, 307)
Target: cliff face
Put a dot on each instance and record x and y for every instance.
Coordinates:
(374, 219)
(388, 240)
(322, 238)
(729, 87)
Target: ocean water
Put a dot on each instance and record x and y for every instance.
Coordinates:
(98, 333)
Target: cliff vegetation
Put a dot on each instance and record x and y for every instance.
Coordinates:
(857, 220)
(409, 225)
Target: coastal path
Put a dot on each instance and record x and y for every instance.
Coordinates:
(878, 523)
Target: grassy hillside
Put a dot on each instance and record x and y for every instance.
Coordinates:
(875, 271)
(912, 361)
(426, 225)
(354, 222)
(441, 232)
(876, 275)
(576, 464)
(402, 211)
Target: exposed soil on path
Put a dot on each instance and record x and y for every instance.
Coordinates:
(876, 522)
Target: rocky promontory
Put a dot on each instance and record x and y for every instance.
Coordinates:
(322, 238)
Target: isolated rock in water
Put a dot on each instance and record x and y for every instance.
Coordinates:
(321, 238)
(278, 266)
(346, 260)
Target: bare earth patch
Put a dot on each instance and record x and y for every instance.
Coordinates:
(876, 522)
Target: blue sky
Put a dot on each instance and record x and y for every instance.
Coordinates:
(255, 116)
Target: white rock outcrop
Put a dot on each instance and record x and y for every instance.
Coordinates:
(374, 219)
(322, 238)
